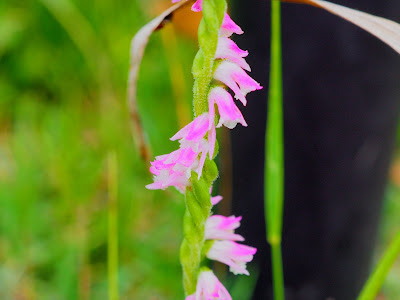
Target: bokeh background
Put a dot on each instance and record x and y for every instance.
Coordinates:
(64, 128)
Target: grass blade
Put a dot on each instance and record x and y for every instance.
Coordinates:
(375, 281)
(274, 156)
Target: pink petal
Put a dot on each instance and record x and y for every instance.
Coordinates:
(228, 27)
(197, 6)
(232, 254)
(230, 115)
(227, 49)
(195, 130)
(212, 136)
(222, 228)
(209, 288)
(236, 79)
(215, 200)
(201, 163)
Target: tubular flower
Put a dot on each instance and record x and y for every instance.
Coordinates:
(232, 254)
(227, 49)
(215, 200)
(192, 135)
(236, 79)
(230, 115)
(228, 26)
(174, 169)
(222, 228)
(209, 288)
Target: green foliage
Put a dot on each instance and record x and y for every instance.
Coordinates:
(59, 120)
(60, 117)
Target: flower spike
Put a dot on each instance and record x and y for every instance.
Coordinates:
(236, 79)
(197, 6)
(227, 49)
(209, 288)
(232, 254)
(230, 115)
(222, 228)
(229, 27)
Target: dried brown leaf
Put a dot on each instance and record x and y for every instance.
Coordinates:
(384, 29)
(138, 46)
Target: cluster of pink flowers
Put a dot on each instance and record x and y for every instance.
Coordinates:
(225, 249)
(197, 139)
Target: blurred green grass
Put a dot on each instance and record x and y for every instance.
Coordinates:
(63, 72)
(60, 117)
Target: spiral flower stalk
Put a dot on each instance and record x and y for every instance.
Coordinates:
(218, 65)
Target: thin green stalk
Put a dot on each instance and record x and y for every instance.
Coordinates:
(277, 271)
(112, 254)
(375, 281)
(274, 156)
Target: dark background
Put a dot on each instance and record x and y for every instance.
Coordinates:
(341, 109)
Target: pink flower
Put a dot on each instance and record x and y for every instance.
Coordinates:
(222, 228)
(193, 136)
(229, 27)
(197, 6)
(232, 254)
(209, 288)
(227, 49)
(174, 169)
(230, 115)
(194, 131)
(215, 200)
(236, 79)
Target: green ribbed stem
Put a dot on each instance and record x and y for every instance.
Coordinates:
(213, 14)
(274, 156)
(198, 209)
(197, 198)
(375, 281)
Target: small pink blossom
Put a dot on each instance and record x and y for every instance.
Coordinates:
(193, 136)
(236, 79)
(177, 176)
(197, 6)
(215, 200)
(229, 27)
(222, 228)
(232, 254)
(195, 130)
(209, 288)
(227, 49)
(230, 115)
(174, 169)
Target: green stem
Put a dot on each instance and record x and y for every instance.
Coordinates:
(112, 252)
(213, 14)
(375, 281)
(274, 156)
(198, 209)
(277, 271)
(197, 197)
